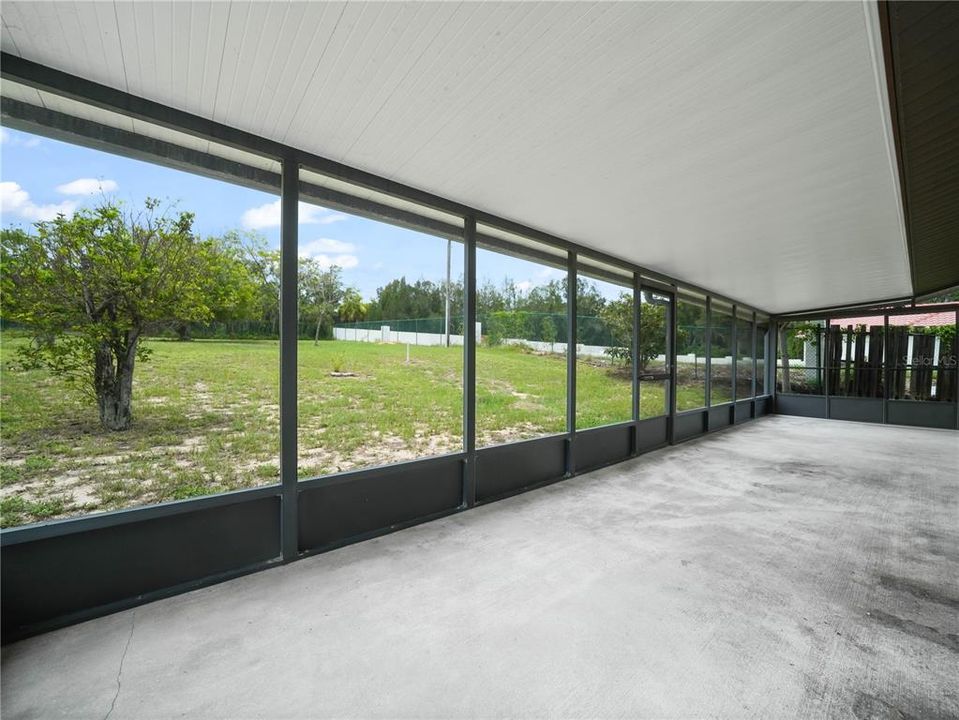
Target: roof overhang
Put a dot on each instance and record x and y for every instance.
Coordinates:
(745, 148)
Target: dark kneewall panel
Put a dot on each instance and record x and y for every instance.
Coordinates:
(506, 469)
(689, 425)
(804, 405)
(341, 508)
(858, 409)
(743, 411)
(921, 413)
(602, 446)
(652, 433)
(763, 406)
(720, 417)
(60, 576)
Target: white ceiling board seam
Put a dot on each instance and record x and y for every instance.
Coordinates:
(870, 10)
(123, 61)
(319, 61)
(486, 82)
(399, 84)
(10, 37)
(219, 74)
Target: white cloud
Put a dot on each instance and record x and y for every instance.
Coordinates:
(87, 186)
(325, 245)
(344, 261)
(266, 216)
(328, 252)
(7, 138)
(524, 286)
(15, 200)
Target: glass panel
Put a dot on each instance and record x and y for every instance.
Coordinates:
(855, 358)
(604, 341)
(140, 348)
(922, 351)
(690, 353)
(521, 350)
(800, 358)
(762, 338)
(654, 319)
(744, 358)
(721, 355)
(380, 352)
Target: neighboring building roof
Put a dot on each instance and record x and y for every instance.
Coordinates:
(920, 319)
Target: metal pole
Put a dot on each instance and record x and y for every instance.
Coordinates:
(755, 330)
(571, 280)
(735, 359)
(671, 357)
(827, 387)
(289, 198)
(884, 371)
(449, 252)
(772, 349)
(634, 352)
(469, 363)
(708, 341)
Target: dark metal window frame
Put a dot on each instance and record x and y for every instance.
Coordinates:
(31, 551)
(885, 409)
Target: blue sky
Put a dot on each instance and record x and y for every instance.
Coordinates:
(40, 177)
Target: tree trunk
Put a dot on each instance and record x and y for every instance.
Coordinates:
(114, 383)
(784, 352)
(183, 331)
(316, 336)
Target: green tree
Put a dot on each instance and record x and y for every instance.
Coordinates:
(548, 298)
(232, 287)
(617, 315)
(321, 291)
(90, 286)
(352, 308)
(547, 331)
(400, 300)
(263, 265)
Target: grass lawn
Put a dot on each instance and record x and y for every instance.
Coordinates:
(206, 418)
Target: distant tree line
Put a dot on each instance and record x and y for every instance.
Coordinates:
(89, 288)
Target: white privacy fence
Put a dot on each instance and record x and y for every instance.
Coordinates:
(385, 334)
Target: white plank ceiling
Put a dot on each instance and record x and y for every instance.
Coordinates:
(743, 147)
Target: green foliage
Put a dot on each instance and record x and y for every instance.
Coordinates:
(690, 328)
(321, 292)
(90, 286)
(399, 299)
(945, 333)
(799, 333)
(17, 510)
(617, 315)
(949, 296)
(547, 330)
(507, 324)
(352, 308)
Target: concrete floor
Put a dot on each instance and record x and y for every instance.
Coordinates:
(787, 568)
